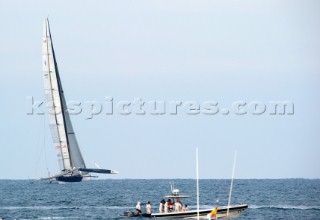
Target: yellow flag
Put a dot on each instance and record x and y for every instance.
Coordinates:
(213, 212)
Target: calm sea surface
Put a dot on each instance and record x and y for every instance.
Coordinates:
(108, 199)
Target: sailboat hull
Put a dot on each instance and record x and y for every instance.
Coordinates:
(70, 178)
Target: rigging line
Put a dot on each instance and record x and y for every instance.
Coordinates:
(39, 148)
(44, 144)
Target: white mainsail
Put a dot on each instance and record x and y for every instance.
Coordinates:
(69, 155)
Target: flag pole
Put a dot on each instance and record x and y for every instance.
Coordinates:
(197, 167)
(234, 167)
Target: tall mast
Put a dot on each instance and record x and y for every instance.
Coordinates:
(197, 167)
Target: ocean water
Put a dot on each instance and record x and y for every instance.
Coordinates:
(108, 199)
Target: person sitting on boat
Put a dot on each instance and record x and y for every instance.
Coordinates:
(148, 208)
(138, 208)
(170, 205)
(185, 208)
(178, 206)
(161, 206)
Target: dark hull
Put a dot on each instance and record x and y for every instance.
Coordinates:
(70, 179)
(134, 214)
(131, 214)
(222, 211)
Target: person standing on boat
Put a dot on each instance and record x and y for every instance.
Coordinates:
(165, 207)
(138, 208)
(148, 208)
(161, 206)
(178, 206)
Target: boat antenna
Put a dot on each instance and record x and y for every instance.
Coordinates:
(197, 167)
(234, 167)
(171, 186)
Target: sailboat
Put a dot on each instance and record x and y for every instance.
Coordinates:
(71, 162)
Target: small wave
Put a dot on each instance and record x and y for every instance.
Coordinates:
(47, 218)
(37, 207)
(34, 207)
(299, 207)
(62, 207)
(117, 207)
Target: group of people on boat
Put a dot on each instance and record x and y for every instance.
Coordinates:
(148, 208)
(169, 206)
(164, 207)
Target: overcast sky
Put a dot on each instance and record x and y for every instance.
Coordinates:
(217, 51)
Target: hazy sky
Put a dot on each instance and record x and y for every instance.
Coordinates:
(222, 51)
